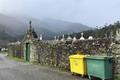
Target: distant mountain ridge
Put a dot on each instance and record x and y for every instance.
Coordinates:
(65, 26)
(54, 25)
(4, 36)
(18, 25)
(13, 26)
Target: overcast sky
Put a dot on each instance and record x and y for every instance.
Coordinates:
(90, 12)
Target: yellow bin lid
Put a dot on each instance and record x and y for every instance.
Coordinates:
(77, 56)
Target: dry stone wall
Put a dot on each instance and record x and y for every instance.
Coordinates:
(56, 53)
(15, 50)
(116, 53)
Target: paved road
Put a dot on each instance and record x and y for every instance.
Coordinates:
(13, 70)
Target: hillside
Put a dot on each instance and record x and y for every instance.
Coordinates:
(53, 25)
(64, 26)
(5, 37)
(14, 27)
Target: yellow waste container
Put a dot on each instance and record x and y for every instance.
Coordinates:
(78, 64)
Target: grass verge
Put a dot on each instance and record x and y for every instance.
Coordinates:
(117, 77)
(16, 59)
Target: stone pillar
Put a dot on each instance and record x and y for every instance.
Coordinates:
(116, 54)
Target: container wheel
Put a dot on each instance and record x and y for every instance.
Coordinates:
(90, 78)
(73, 73)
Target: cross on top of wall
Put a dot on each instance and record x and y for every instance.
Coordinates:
(30, 25)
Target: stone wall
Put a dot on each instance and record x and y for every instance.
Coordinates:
(15, 50)
(116, 53)
(56, 53)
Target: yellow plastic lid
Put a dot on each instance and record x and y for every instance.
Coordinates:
(77, 56)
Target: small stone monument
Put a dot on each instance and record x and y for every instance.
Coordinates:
(18, 42)
(117, 37)
(90, 38)
(69, 37)
(74, 38)
(82, 38)
(55, 38)
(63, 37)
(41, 38)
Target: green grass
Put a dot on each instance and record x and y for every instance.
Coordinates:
(19, 60)
(16, 59)
(117, 77)
(3, 52)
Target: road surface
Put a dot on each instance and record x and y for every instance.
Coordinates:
(13, 70)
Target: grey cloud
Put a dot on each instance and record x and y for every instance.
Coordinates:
(89, 12)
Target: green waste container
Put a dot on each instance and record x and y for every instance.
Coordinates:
(100, 67)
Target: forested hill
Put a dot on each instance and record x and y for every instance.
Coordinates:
(4, 36)
(105, 31)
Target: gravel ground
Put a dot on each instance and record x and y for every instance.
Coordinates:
(13, 70)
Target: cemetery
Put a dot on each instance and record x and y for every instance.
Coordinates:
(56, 53)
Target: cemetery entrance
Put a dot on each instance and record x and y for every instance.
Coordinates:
(27, 51)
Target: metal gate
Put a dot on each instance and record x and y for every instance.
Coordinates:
(27, 51)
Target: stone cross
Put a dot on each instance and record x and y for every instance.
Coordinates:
(117, 37)
(74, 38)
(41, 37)
(82, 38)
(63, 37)
(55, 38)
(69, 37)
(30, 27)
